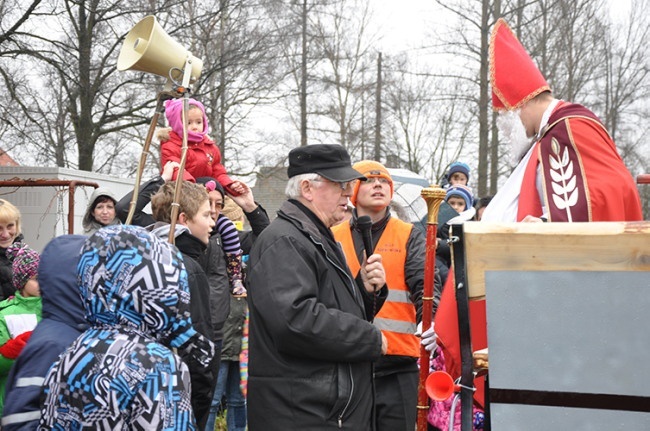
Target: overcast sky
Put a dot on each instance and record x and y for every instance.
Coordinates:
(406, 24)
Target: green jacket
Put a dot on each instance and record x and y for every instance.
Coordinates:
(17, 315)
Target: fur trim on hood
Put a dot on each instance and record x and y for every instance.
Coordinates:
(163, 134)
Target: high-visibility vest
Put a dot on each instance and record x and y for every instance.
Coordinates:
(396, 319)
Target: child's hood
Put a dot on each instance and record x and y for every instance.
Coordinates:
(174, 115)
(57, 275)
(132, 279)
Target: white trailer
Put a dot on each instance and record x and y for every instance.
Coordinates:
(43, 197)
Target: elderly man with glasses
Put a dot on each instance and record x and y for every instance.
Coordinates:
(311, 341)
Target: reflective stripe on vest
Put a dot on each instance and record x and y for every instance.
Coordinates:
(395, 325)
(396, 319)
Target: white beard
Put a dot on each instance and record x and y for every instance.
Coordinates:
(512, 130)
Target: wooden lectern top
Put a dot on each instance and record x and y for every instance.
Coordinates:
(594, 246)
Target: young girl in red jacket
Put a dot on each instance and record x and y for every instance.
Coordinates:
(203, 156)
(203, 159)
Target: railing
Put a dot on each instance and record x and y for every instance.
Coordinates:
(71, 184)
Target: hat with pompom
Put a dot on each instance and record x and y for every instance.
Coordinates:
(462, 192)
(24, 263)
(211, 184)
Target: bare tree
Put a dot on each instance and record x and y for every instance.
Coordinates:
(294, 23)
(561, 36)
(241, 70)
(344, 42)
(13, 17)
(29, 107)
(624, 94)
(624, 53)
(78, 64)
(427, 125)
(303, 73)
(469, 41)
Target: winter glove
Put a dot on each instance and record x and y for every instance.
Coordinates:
(12, 348)
(198, 349)
(429, 338)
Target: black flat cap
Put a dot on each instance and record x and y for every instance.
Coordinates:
(327, 160)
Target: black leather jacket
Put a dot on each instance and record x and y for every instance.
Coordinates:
(311, 344)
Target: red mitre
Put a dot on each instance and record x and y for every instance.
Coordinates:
(514, 77)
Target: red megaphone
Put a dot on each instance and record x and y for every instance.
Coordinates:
(440, 386)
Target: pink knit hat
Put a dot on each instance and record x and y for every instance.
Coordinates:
(174, 114)
(24, 263)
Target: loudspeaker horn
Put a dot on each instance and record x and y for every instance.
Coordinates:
(440, 386)
(148, 48)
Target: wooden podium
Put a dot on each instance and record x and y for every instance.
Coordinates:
(568, 317)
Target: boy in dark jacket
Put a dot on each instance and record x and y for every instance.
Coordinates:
(192, 233)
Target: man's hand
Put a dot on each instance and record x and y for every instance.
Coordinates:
(168, 170)
(531, 219)
(373, 274)
(245, 199)
(384, 344)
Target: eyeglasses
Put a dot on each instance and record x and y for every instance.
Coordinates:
(342, 184)
(380, 180)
